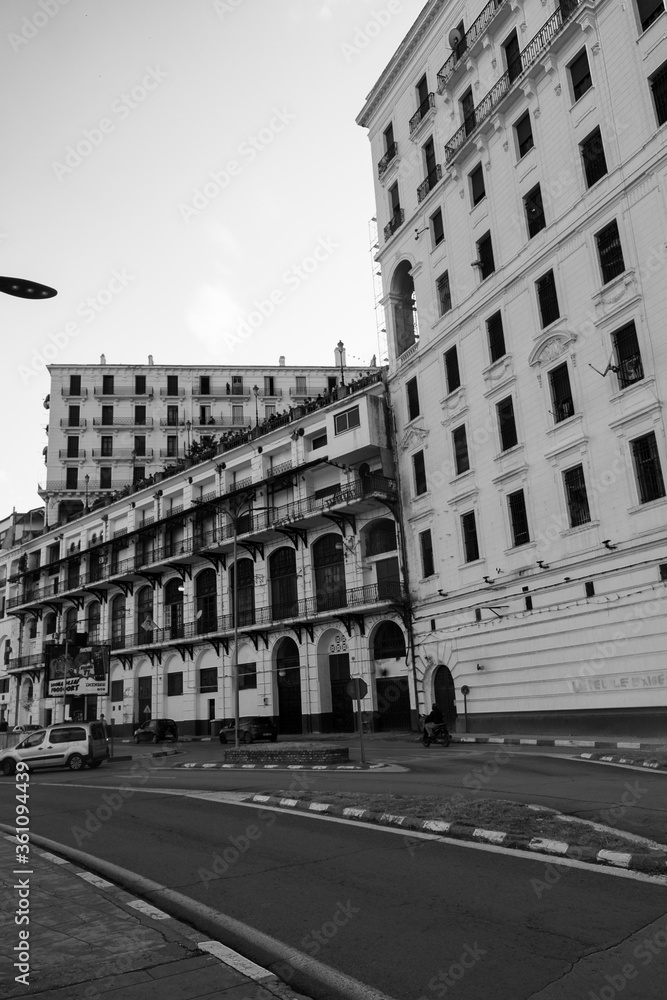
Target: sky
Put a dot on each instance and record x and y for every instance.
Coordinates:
(189, 175)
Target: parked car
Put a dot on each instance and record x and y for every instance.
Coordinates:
(68, 744)
(156, 730)
(27, 728)
(252, 727)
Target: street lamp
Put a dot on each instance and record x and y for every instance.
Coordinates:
(255, 389)
(86, 479)
(340, 345)
(188, 426)
(24, 289)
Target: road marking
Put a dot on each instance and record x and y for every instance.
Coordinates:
(238, 962)
(53, 857)
(101, 883)
(148, 910)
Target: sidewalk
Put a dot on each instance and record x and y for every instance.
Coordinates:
(88, 938)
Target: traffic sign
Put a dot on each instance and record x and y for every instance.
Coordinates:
(357, 688)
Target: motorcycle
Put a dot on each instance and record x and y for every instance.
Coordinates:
(440, 735)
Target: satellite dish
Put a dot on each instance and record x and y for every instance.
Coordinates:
(454, 38)
(364, 470)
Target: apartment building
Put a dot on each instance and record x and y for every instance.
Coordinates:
(112, 427)
(520, 165)
(279, 561)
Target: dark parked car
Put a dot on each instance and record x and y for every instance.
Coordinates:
(252, 727)
(156, 730)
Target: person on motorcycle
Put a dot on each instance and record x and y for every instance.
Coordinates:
(433, 720)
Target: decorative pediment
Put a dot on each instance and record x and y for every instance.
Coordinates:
(550, 347)
(455, 404)
(413, 436)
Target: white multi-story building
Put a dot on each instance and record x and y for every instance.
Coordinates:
(115, 426)
(520, 162)
(308, 505)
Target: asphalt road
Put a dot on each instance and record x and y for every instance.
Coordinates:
(414, 918)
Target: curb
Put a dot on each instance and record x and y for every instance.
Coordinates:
(555, 742)
(650, 762)
(291, 767)
(461, 831)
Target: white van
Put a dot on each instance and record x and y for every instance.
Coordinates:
(69, 744)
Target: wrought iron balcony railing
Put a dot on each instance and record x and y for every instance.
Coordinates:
(475, 31)
(421, 112)
(122, 390)
(427, 185)
(394, 223)
(389, 156)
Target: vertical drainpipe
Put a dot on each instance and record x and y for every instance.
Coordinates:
(391, 433)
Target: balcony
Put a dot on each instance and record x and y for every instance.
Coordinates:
(527, 57)
(65, 453)
(427, 105)
(81, 394)
(122, 390)
(120, 454)
(387, 159)
(180, 391)
(35, 595)
(94, 485)
(474, 32)
(432, 179)
(70, 424)
(24, 662)
(397, 220)
(123, 422)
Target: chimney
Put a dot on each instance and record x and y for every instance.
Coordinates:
(150, 359)
(103, 359)
(281, 360)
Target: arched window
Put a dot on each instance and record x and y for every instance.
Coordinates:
(94, 618)
(118, 622)
(284, 595)
(329, 564)
(173, 608)
(388, 642)
(50, 624)
(145, 622)
(404, 308)
(32, 628)
(70, 623)
(206, 590)
(246, 591)
(381, 537)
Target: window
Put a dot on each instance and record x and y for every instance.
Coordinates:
(650, 483)
(71, 479)
(561, 393)
(140, 445)
(469, 533)
(204, 385)
(461, 456)
(138, 474)
(593, 158)
(649, 11)
(75, 385)
(424, 101)
(467, 103)
(444, 294)
(390, 150)
(301, 387)
(494, 330)
(107, 416)
(395, 212)
(319, 442)
(432, 169)
(107, 385)
(140, 416)
(140, 385)
(506, 424)
(610, 252)
(175, 685)
(172, 385)
(485, 256)
(547, 298)
(512, 57)
(580, 75)
(116, 691)
(419, 473)
(413, 399)
(105, 479)
(106, 446)
(452, 374)
(426, 549)
(269, 387)
(347, 420)
(524, 134)
(518, 518)
(237, 385)
(238, 416)
(208, 679)
(477, 189)
(659, 91)
(247, 676)
(172, 446)
(534, 210)
(73, 447)
(437, 227)
(589, 588)
(172, 416)
(576, 497)
(269, 410)
(73, 418)
(628, 359)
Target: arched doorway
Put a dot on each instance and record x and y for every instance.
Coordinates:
(288, 674)
(444, 694)
(393, 694)
(342, 706)
(404, 308)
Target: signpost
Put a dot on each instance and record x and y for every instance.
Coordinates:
(357, 688)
